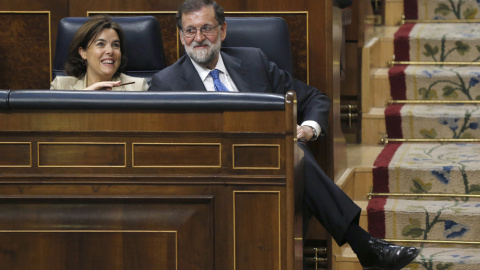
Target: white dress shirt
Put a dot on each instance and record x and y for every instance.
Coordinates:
(228, 82)
(208, 80)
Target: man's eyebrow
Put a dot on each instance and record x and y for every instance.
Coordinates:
(191, 26)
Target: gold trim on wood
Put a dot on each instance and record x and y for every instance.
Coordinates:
(440, 195)
(427, 63)
(19, 166)
(129, 12)
(255, 168)
(434, 241)
(432, 102)
(179, 166)
(387, 140)
(279, 225)
(442, 21)
(49, 32)
(82, 166)
(88, 231)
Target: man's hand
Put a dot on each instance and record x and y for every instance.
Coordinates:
(304, 133)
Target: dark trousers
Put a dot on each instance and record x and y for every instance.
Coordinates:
(326, 201)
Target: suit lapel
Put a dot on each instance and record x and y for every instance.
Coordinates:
(190, 78)
(238, 72)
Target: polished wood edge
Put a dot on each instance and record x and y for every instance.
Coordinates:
(200, 198)
(290, 151)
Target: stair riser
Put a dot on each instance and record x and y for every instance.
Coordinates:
(426, 220)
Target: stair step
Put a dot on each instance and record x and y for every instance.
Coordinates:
(412, 82)
(447, 258)
(441, 10)
(428, 258)
(434, 168)
(433, 121)
(441, 220)
(438, 42)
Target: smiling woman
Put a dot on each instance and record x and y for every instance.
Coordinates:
(96, 59)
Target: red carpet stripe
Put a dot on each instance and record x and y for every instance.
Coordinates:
(410, 9)
(398, 85)
(393, 121)
(380, 170)
(376, 217)
(401, 42)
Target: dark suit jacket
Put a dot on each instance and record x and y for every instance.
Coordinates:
(251, 71)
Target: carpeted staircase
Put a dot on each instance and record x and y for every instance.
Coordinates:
(426, 181)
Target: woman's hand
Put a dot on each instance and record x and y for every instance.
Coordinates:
(106, 85)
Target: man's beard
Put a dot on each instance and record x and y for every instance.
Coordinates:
(204, 56)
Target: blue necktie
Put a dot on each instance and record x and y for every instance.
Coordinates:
(219, 86)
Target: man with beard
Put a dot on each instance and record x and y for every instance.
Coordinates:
(205, 67)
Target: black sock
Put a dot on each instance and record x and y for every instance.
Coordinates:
(358, 240)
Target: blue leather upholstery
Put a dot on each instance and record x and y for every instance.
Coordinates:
(142, 38)
(4, 99)
(270, 34)
(125, 100)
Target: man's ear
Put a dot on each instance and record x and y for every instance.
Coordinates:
(180, 33)
(224, 30)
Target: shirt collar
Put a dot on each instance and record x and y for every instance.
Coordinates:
(204, 72)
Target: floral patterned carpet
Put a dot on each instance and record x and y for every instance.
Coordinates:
(420, 82)
(436, 184)
(438, 42)
(441, 9)
(433, 121)
(429, 168)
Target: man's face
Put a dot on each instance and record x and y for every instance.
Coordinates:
(202, 48)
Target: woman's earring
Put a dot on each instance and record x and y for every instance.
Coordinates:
(84, 61)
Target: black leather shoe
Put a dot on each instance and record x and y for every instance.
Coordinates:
(387, 256)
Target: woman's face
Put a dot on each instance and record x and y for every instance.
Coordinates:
(102, 56)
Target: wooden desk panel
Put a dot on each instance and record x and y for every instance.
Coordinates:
(149, 190)
(107, 232)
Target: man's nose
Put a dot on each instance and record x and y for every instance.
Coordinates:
(199, 36)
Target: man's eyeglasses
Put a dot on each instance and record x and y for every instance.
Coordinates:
(206, 30)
